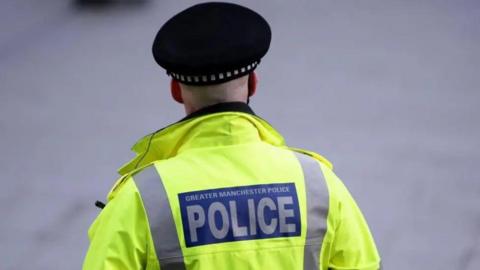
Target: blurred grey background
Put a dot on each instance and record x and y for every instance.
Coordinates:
(387, 90)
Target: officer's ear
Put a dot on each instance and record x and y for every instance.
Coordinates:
(252, 83)
(176, 91)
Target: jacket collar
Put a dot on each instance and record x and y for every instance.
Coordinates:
(168, 142)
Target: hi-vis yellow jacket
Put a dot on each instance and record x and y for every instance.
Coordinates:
(220, 190)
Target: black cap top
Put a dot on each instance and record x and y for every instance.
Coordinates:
(212, 43)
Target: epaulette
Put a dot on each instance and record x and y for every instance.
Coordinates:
(314, 155)
(118, 184)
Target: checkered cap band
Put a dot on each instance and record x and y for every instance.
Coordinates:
(215, 78)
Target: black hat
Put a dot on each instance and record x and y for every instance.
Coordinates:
(212, 43)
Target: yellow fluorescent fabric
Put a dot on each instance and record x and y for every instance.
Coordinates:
(204, 173)
(348, 243)
(118, 235)
(168, 137)
(216, 151)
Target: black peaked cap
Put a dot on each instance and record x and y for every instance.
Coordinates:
(211, 43)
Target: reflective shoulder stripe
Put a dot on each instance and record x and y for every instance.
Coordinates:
(162, 225)
(317, 210)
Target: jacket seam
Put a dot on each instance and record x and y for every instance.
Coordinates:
(237, 250)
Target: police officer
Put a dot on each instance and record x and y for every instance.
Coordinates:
(220, 189)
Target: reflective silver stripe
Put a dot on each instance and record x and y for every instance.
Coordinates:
(162, 225)
(317, 210)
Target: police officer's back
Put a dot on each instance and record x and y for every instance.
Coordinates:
(220, 189)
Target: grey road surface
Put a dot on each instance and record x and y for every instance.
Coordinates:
(387, 90)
